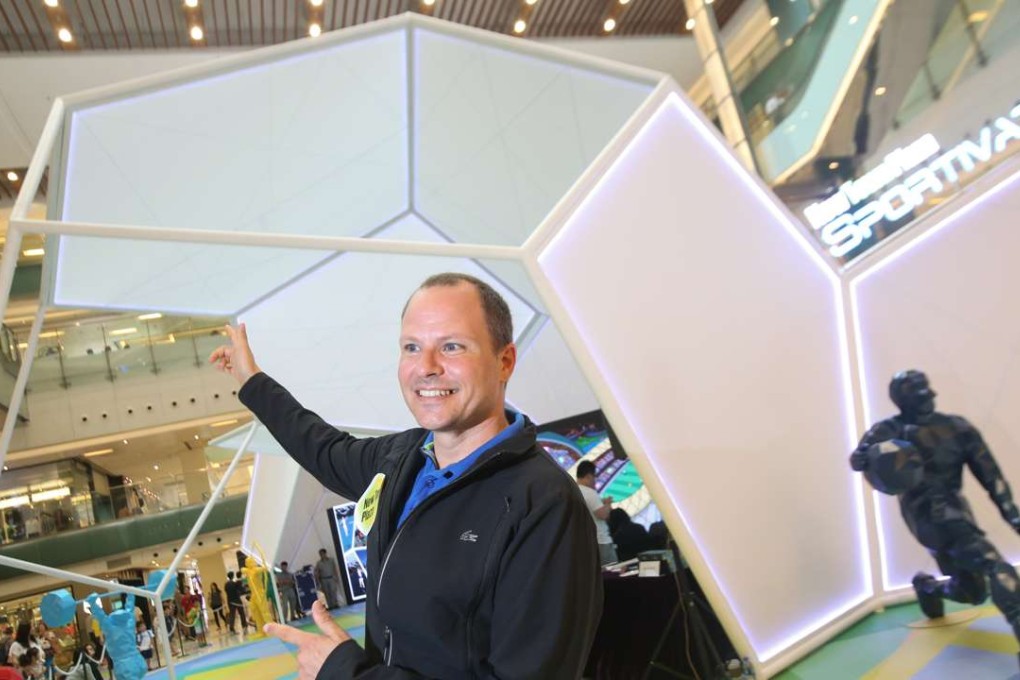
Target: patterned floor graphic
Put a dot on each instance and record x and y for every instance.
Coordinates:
(888, 646)
(884, 646)
(263, 659)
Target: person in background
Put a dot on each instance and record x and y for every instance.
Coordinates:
(599, 508)
(629, 536)
(216, 602)
(23, 641)
(232, 589)
(31, 664)
(328, 577)
(287, 587)
(143, 638)
(6, 638)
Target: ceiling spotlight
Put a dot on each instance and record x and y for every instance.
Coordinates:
(833, 165)
(880, 90)
(65, 35)
(314, 30)
(150, 317)
(520, 25)
(191, 3)
(853, 20)
(155, 467)
(315, 3)
(773, 21)
(689, 25)
(530, 2)
(624, 2)
(197, 33)
(428, 3)
(12, 176)
(125, 441)
(609, 25)
(50, 3)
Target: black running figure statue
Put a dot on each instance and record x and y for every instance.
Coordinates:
(936, 512)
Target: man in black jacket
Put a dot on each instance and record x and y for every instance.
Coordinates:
(482, 558)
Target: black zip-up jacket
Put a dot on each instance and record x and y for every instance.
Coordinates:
(495, 576)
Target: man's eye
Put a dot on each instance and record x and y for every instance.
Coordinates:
(410, 348)
(452, 347)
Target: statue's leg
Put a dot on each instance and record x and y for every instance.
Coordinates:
(979, 555)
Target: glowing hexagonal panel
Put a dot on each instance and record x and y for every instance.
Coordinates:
(717, 332)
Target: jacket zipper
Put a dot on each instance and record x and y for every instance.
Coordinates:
(393, 543)
(388, 647)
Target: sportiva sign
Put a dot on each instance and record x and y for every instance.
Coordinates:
(901, 181)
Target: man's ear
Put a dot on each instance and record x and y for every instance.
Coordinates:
(507, 362)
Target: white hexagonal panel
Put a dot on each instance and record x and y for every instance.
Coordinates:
(526, 128)
(716, 333)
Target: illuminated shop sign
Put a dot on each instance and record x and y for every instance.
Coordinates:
(900, 182)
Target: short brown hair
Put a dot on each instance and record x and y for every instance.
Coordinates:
(497, 313)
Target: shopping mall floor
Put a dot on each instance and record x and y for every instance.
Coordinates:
(899, 643)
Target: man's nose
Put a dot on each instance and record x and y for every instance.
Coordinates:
(429, 363)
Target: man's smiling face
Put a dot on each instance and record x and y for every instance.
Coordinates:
(451, 376)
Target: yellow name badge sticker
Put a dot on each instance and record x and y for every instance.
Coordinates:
(367, 508)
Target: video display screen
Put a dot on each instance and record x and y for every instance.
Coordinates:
(350, 547)
(588, 436)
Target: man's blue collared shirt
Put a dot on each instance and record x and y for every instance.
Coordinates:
(431, 479)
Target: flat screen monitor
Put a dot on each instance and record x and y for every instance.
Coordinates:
(351, 550)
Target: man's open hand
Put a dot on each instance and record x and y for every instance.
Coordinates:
(235, 358)
(312, 649)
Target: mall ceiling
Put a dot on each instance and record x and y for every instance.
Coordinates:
(64, 25)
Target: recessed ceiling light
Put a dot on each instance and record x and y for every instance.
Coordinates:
(773, 21)
(624, 2)
(197, 33)
(150, 317)
(314, 30)
(33, 252)
(530, 2)
(833, 165)
(155, 467)
(789, 41)
(125, 441)
(853, 20)
(520, 25)
(50, 3)
(880, 90)
(12, 176)
(609, 25)
(191, 3)
(690, 24)
(428, 3)
(315, 3)
(196, 437)
(65, 35)
(124, 331)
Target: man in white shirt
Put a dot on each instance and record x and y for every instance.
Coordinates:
(599, 508)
